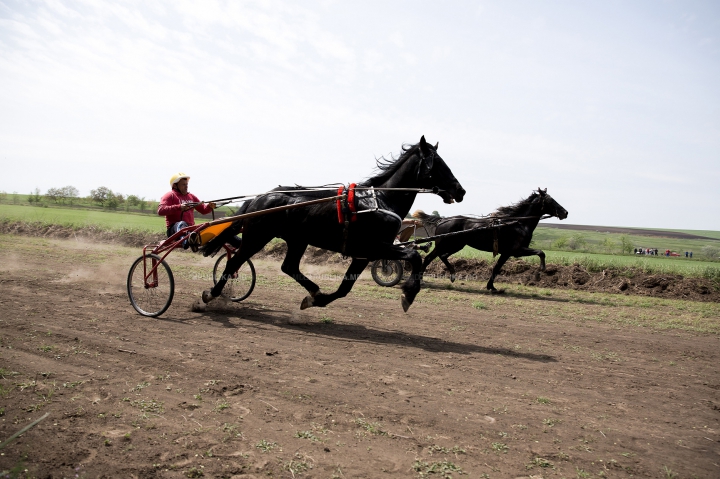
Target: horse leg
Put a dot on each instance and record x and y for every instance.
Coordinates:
(291, 267)
(430, 257)
(449, 266)
(247, 250)
(351, 275)
(529, 252)
(411, 287)
(496, 270)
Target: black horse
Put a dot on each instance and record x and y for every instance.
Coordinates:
(508, 231)
(368, 238)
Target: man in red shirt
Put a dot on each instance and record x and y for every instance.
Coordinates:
(177, 206)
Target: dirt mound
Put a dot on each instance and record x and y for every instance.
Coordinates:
(624, 280)
(125, 237)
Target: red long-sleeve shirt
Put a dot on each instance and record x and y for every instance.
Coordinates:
(171, 208)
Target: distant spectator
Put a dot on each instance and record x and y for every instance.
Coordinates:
(691, 254)
(686, 254)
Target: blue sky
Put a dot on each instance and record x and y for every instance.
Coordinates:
(614, 106)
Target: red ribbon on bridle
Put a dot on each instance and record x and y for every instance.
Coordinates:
(350, 207)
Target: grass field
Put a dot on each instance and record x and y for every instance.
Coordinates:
(544, 238)
(597, 242)
(82, 217)
(598, 262)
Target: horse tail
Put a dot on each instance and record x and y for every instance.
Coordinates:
(426, 218)
(215, 244)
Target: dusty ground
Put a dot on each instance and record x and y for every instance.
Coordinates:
(537, 382)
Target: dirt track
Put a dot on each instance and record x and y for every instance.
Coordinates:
(533, 383)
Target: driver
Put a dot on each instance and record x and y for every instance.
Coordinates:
(178, 204)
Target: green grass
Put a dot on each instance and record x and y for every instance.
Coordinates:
(708, 233)
(546, 238)
(82, 217)
(594, 262)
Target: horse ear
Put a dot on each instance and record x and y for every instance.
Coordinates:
(436, 145)
(545, 190)
(422, 141)
(541, 192)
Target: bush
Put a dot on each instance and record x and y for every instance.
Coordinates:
(560, 243)
(710, 251)
(577, 241)
(608, 245)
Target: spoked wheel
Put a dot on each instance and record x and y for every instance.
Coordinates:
(241, 284)
(151, 298)
(387, 272)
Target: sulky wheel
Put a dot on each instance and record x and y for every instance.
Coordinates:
(151, 298)
(239, 285)
(387, 272)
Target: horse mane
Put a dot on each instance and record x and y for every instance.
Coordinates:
(385, 168)
(427, 219)
(515, 208)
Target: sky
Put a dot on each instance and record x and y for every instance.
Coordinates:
(613, 106)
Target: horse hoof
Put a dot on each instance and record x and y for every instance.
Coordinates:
(496, 291)
(207, 296)
(306, 302)
(452, 278)
(405, 303)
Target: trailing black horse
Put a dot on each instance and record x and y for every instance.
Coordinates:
(369, 236)
(508, 231)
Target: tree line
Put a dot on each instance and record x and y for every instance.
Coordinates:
(102, 197)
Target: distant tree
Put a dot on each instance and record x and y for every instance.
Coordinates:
(31, 198)
(3, 196)
(114, 200)
(626, 245)
(142, 203)
(16, 199)
(54, 194)
(152, 205)
(132, 200)
(69, 193)
(102, 195)
(435, 213)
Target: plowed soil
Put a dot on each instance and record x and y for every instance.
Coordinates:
(537, 382)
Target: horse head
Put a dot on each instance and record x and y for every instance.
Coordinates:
(550, 206)
(434, 173)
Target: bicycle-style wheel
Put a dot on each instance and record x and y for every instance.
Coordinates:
(239, 285)
(151, 298)
(387, 272)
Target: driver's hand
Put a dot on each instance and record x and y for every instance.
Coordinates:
(212, 205)
(186, 207)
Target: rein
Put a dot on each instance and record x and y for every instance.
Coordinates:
(435, 190)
